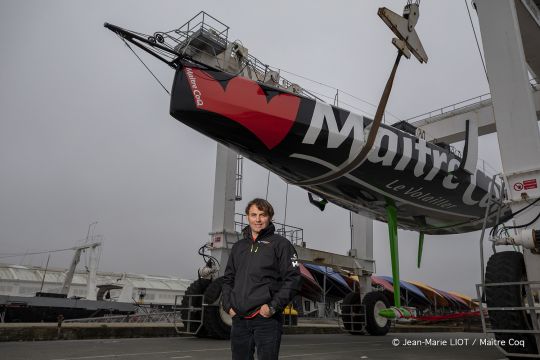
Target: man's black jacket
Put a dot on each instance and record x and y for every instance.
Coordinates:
(264, 271)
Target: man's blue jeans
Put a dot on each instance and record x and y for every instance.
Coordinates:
(259, 332)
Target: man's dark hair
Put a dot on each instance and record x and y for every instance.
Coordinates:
(262, 205)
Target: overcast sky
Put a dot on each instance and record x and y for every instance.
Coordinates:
(85, 133)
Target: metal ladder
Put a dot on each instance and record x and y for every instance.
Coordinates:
(182, 326)
(530, 308)
(357, 314)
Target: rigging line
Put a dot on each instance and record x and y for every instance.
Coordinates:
(320, 94)
(476, 38)
(364, 111)
(34, 253)
(147, 68)
(367, 102)
(306, 78)
(334, 88)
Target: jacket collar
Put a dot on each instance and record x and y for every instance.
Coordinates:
(267, 231)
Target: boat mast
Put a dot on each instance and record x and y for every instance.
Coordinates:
(76, 258)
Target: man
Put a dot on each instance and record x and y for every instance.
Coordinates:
(261, 278)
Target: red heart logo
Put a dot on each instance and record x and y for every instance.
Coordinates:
(245, 102)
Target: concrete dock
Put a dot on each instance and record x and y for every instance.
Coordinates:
(84, 331)
(440, 346)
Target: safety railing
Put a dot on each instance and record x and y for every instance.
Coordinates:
(200, 23)
(474, 101)
(453, 107)
(191, 316)
(529, 307)
(352, 317)
(292, 233)
(155, 317)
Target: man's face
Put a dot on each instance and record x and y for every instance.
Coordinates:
(257, 219)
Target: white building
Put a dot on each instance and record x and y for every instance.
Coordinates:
(17, 280)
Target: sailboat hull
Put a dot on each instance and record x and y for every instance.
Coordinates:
(302, 140)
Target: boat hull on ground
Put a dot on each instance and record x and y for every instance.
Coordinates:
(302, 139)
(47, 309)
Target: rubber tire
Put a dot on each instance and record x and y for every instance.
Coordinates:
(213, 321)
(350, 314)
(198, 287)
(370, 301)
(508, 266)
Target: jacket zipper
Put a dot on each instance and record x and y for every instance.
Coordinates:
(248, 268)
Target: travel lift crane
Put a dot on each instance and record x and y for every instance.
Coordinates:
(233, 57)
(510, 31)
(511, 306)
(362, 310)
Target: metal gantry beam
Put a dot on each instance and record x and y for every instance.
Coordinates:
(505, 49)
(448, 124)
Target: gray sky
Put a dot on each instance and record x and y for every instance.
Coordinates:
(85, 133)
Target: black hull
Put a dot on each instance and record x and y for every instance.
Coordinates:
(45, 309)
(301, 139)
